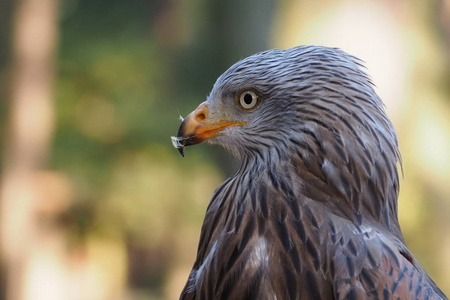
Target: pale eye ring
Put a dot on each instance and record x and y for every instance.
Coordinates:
(248, 99)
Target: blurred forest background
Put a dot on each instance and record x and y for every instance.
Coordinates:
(95, 202)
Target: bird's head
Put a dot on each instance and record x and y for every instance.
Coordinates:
(308, 101)
(250, 105)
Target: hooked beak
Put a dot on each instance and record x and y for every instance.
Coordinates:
(197, 127)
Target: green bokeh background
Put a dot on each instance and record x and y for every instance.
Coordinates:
(126, 71)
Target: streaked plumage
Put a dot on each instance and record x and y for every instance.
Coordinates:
(312, 211)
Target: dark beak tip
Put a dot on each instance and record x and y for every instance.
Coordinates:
(176, 142)
(181, 150)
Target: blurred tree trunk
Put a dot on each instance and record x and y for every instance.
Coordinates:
(28, 136)
(6, 8)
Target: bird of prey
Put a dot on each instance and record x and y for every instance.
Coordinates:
(312, 211)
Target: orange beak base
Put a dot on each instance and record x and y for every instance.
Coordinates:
(197, 128)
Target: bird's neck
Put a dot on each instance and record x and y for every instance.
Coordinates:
(346, 190)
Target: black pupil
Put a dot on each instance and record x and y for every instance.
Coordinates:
(248, 99)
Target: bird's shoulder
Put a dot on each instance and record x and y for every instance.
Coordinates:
(374, 263)
(308, 251)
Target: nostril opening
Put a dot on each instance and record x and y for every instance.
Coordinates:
(200, 116)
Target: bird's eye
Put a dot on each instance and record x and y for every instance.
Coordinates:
(248, 99)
